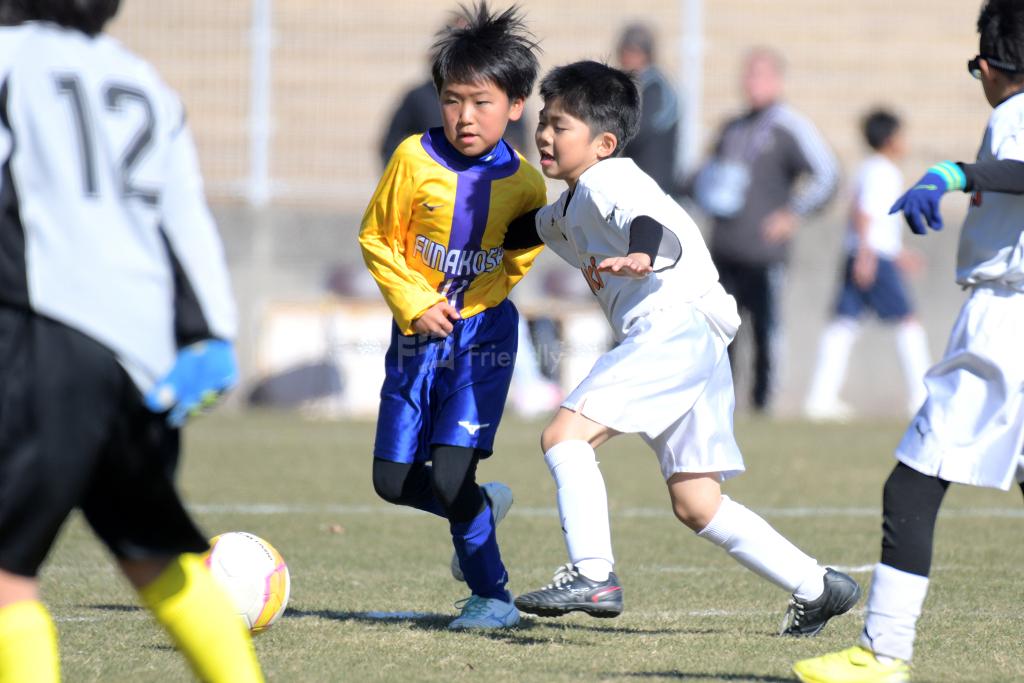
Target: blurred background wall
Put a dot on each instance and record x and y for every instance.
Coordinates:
(288, 100)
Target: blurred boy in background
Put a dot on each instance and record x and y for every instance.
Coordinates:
(872, 279)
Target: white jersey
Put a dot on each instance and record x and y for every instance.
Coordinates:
(992, 239)
(593, 224)
(103, 224)
(876, 187)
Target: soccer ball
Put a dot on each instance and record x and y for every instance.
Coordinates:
(254, 575)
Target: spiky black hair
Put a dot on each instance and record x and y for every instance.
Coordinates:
(484, 46)
(1001, 35)
(606, 99)
(87, 16)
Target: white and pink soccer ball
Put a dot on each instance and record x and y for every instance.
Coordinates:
(254, 575)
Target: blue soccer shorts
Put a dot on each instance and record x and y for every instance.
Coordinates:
(887, 296)
(447, 391)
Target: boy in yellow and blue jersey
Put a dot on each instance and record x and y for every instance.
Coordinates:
(432, 239)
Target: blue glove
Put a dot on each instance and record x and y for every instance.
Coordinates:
(201, 373)
(922, 200)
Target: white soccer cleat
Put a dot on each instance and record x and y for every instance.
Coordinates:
(480, 613)
(499, 497)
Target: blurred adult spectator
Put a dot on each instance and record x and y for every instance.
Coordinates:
(770, 169)
(654, 147)
(419, 109)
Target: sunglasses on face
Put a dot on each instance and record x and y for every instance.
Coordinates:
(974, 66)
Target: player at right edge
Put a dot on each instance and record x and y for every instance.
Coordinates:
(971, 426)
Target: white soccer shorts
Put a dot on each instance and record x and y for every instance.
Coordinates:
(670, 381)
(971, 427)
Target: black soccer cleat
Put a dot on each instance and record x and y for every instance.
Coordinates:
(570, 591)
(808, 617)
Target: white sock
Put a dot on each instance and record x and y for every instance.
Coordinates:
(894, 605)
(582, 507)
(753, 542)
(833, 357)
(912, 346)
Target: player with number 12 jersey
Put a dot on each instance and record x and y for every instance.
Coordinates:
(95, 146)
(116, 323)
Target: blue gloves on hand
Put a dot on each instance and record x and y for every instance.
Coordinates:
(922, 200)
(202, 372)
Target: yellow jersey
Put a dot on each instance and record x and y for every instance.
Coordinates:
(435, 227)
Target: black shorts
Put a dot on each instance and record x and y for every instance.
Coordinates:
(74, 432)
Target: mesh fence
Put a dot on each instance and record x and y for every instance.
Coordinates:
(338, 68)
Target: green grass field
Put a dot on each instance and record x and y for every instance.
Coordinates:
(692, 614)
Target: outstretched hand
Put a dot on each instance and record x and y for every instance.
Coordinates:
(630, 265)
(920, 204)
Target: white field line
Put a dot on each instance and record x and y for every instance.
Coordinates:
(858, 569)
(735, 613)
(682, 569)
(105, 616)
(405, 615)
(395, 615)
(636, 512)
(402, 616)
(1009, 614)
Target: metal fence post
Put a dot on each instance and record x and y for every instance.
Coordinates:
(261, 44)
(691, 55)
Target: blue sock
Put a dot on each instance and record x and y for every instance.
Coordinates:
(477, 547)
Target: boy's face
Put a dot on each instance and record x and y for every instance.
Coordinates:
(475, 115)
(990, 84)
(896, 146)
(566, 146)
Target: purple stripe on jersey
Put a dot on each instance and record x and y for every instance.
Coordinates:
(469, 222)
(472, 203)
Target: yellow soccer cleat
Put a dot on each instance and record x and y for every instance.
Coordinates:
(854, 665)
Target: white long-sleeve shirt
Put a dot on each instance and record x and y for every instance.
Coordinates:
(594, 224)
(992, 240)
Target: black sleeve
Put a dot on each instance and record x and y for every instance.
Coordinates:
(190, 325)
(1001, 175)
(645, 235)
(522, 232)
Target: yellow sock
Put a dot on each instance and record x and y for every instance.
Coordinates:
(28, 644)
(197, 613)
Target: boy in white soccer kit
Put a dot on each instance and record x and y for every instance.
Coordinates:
(970, 429)
(872, 278)
(667, 378)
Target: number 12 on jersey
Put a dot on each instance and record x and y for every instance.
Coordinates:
(117, 97)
